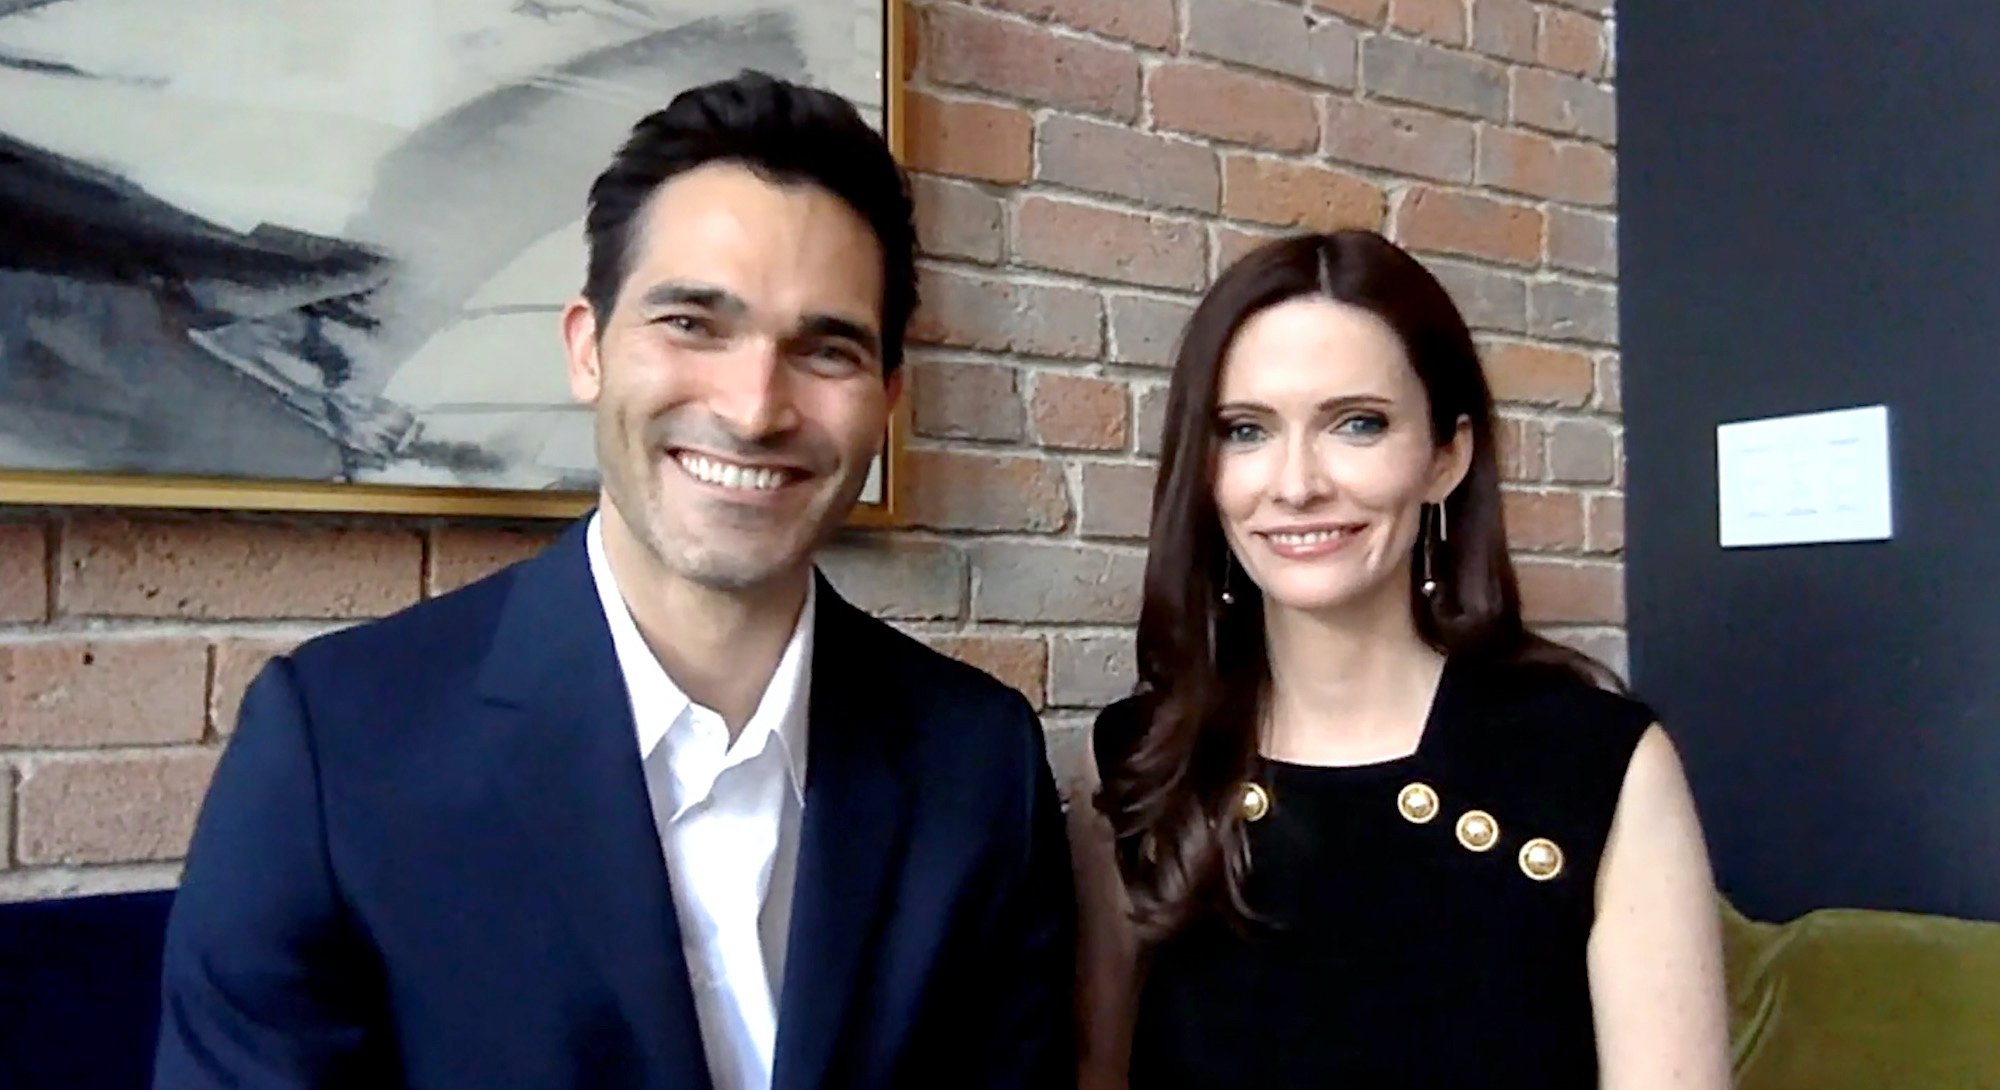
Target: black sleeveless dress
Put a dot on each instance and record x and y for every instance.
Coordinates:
(1422, 921)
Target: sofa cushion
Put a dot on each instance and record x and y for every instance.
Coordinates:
(1848, 998)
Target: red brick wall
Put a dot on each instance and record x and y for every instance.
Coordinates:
(1084, 168)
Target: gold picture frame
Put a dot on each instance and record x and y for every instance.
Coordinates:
(64, 487)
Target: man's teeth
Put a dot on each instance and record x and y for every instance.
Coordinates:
(1301, 540)
(732, 476)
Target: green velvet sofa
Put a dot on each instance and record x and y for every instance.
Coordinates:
(1845, 999)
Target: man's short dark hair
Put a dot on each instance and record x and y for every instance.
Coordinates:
(785, 132)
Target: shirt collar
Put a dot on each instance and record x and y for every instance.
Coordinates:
(657, 702)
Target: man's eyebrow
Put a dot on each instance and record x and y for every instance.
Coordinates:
(707, 297)
(728, 303)
(830, 325)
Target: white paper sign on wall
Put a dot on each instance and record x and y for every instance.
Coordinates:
(1796, 480)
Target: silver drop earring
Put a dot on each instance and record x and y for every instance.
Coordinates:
(1431, 541)
(1228, 572)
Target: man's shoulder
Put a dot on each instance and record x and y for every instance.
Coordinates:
(424, 640)
(919, 674)
(946, 711)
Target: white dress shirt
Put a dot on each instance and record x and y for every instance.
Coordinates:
(728, 817)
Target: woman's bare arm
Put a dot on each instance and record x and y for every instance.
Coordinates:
(1656, 976)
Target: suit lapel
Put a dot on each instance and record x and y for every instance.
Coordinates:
(565, 759)
(851, 836)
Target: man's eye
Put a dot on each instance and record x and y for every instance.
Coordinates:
(692, 325)
(836, 356)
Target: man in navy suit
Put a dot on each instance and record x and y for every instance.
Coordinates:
(655, 808)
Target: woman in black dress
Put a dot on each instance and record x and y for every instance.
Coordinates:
(1359, 827)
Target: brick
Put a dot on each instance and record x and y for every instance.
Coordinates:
(1144, 22)
(897, 578)
(1227, 244)
(1128, 247)
(1557, 593)
(1523, 162)
(961, 310)
(955, 219)
(1262, 34)
(81, 693)
(1441, 21)
(24, 572)
(1238, 107)
(1145, 329)
(214, 569)
(235, 662)
(1288, 194)
(968, 139)
(1336, 54)
(1412, 142)
(1110, 159)
(1068, 741)
(1504, 29)
(461, 555)
(1489, 299)
(1573, 42)
(112, 808)
(1582, 452)
(966, 48)
(1606, 645)
(1565, 311)
(1056, 584)
(1564, 105)
(1091, 671)
(1610, 387)
(1583, 241)
(1020, 662)
(1425, 75)
(1076, 412)
(1523, 449)
(1536, 375)
(1452, 222)
(1543, 520)
(1364, 12)
(1117, 501)
(1594, 7)
(1607, 524)
(952, 491)
(968, 401)
(6, 820)
(1149, 418)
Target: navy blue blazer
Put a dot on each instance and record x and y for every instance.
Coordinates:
(427, 861)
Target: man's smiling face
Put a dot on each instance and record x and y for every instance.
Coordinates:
(738, 381)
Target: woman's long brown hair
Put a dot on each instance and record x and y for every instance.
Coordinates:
(1173, 800)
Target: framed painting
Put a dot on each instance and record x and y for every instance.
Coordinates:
(309, 255)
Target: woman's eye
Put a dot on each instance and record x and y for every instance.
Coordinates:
(1363, 425)
(1241, 431)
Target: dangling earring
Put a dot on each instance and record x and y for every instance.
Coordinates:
(1431, 541)
(1228, 572)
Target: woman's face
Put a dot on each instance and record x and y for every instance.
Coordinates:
(1325, 457)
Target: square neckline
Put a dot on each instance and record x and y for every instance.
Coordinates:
(1426, 745)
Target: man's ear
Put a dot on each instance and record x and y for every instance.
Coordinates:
(579, 333)
(894, 385)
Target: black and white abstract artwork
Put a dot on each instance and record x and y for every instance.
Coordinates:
(328, 240)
